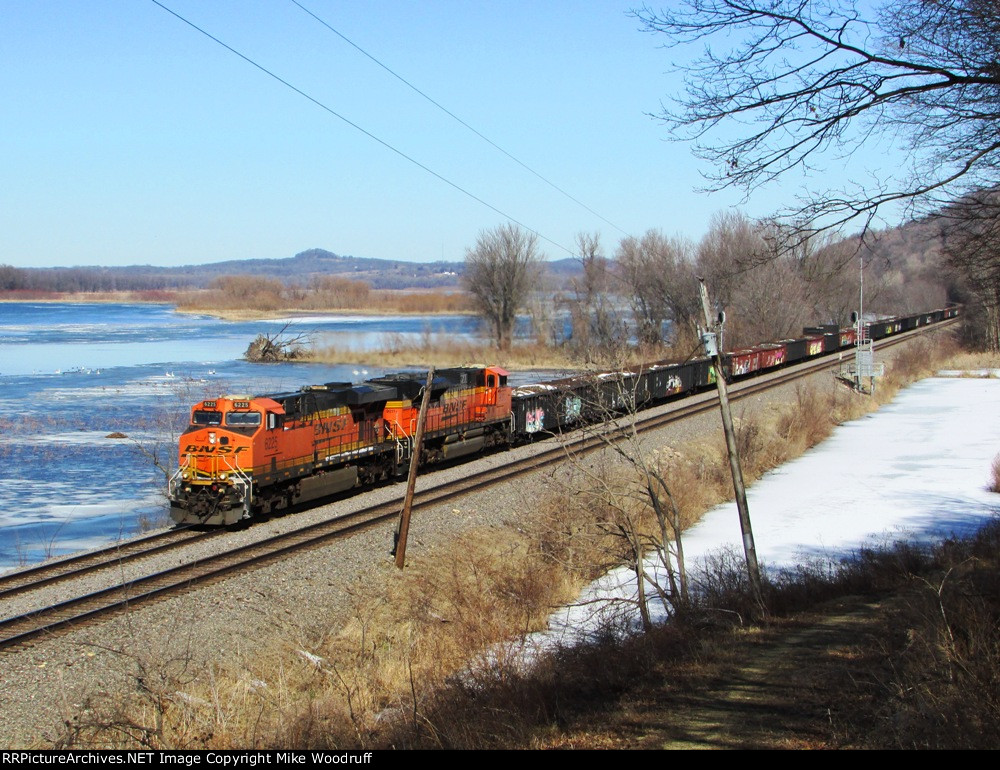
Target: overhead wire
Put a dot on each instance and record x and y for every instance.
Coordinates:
(455, 117)
(357, 127)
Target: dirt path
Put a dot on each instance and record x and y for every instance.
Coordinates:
(769, 691)
(774, 699)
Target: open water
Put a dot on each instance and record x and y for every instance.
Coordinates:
(71, 374)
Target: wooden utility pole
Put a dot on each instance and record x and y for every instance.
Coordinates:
(710, 340)
(403, 527)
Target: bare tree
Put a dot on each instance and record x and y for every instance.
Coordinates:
(803, 77)
(658, 273)
(499, 273)
(830, 269)
(972, 249)
(597, 330)
(733, 244)
(771, 293)
(770, 303)
(761, 293)
(629, 490)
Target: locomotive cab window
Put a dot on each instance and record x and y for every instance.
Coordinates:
(206, 417)
(243, 419)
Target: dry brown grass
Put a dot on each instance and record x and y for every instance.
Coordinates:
(974, 360)
(930, 671)
(408, 634)
(442, 350)
(436, 350)
(152, 296)
(251, 297)
(922, 670)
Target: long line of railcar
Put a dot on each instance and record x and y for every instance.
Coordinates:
(244, 456)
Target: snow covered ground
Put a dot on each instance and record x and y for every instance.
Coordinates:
(917, 468)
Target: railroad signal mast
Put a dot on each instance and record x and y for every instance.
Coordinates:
(862, 373)
(865, 367)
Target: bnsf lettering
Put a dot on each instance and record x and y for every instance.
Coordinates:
(327, 427)
(212, 449)
(450, 408)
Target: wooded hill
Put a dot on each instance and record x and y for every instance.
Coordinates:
(909, 252)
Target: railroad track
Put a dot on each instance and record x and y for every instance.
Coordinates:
(23, 629)
(71, 567)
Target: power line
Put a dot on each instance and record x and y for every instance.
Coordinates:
(448, 112)
(355, 126)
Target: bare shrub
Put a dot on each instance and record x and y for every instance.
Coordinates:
(935, 677)
(750, 444)
(723, 593)
(809, 422)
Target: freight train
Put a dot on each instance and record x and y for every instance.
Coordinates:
(245, 456)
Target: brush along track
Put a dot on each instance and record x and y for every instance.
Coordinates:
(18, 630)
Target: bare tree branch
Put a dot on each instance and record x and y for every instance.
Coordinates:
(802, 78)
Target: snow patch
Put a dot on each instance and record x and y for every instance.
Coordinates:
(918, 468)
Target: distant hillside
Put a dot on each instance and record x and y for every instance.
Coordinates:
(903, 255)
(907, 261)
(380, 273)
(300, 269)
(913, 248)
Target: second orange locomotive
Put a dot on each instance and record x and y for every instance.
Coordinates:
(244, 455)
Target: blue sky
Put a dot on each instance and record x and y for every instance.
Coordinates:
(130, 138)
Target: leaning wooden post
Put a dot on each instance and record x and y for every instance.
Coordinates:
(403, 527)
(710, 341)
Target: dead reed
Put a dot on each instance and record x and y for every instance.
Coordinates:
(249, 297)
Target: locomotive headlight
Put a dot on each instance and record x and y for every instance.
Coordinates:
(223, 476)
(211, 438)
(185, 475)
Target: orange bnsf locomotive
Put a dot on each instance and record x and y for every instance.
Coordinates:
(243, 455)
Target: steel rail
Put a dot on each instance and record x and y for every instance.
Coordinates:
(76, 565)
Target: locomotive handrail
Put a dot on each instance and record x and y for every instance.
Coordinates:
(403, 445)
